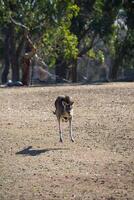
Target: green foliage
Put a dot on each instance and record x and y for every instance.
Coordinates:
(128, 60)
(59, 42)
(96, 55)
(69, 44)
(100, 56)
(98, 9)
(91, 54)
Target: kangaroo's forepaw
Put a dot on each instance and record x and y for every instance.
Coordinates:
(72, 139)
(61, 140)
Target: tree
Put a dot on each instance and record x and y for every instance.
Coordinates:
(39, 18)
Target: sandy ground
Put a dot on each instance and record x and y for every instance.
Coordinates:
(34, 165)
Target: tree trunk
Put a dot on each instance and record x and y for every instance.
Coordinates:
(74, 71)
(26, 60)
(115, 69)
(5, 72)
(14, 59)
(25, 71)
(120, 53)
(60, 70)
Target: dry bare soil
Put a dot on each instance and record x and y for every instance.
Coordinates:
(34, 165)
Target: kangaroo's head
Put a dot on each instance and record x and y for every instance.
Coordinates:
(67, 104)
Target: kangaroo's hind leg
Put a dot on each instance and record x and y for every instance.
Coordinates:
(60, 130)
(70, 129)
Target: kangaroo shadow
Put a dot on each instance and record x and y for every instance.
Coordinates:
(35, 152)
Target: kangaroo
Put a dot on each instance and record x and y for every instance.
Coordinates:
(64, 112)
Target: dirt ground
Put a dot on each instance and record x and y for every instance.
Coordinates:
(34, 165)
